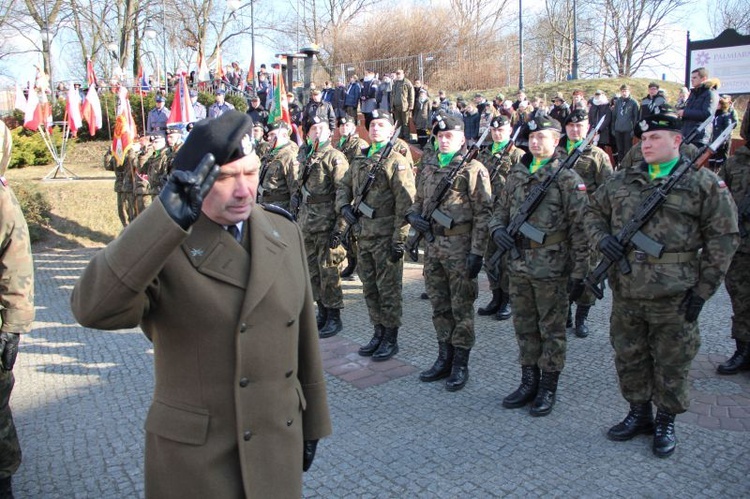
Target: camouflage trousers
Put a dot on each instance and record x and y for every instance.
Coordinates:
(654, 347)
(540, 308)
(142, 201)
(122, 209)
(451, 293)
(588, 298)
(498, 278)
(10, 449)
(381, 281)
(325, 276)
(738, 287)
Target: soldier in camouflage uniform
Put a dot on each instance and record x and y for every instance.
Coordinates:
(17, 311)
(539, 277)
(156, 167)
(594, 168)
(381, 232)
(736, 173)
(174, 142)
(140, 175)
(655, 307)
(352, 145)
(120, 174)
(501, 129)
(453, 260)
(262, 146)
(317, 219)
(278, 171)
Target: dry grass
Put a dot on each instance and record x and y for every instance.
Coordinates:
(83, 210)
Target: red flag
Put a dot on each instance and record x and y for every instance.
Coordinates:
(124, 132)
(73, 110)
(91, 110)
(182, 109)
(36, 113)
(251, 71)
(219, 65)
(90, 75)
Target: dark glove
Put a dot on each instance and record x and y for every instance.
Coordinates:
(348, 213)
(335, 240)
(182, 195)
(473, 265)
(397, 251)
(611, 248)
(294, 203)
(308, 453)
(575, 289)
(691, 306)
(8, 350)
(502, 239)
(418, 222)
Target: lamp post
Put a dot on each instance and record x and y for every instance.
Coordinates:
(150, 33)
(520, 44)
(575, 42)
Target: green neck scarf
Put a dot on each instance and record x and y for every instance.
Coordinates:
(659, 170)
(536, 164)
(572, 145)
(375, 147)
(444, 158)
(499, 146)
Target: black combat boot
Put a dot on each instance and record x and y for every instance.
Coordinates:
(740, 361)
(322, 316)
(369, 349)
(388, 347)
(545, 397)
(6, 490)
(351, 265)
(639, 421)
(504, 312)
(526, 392)
(459, 371)
(582, 313)
(664, 438)
(569, 320)
(494, 305)
(424, 295)
(333, 325)
(442, 366)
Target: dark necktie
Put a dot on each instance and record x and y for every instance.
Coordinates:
(232, 229)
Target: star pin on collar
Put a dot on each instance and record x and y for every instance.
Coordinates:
(196, 252)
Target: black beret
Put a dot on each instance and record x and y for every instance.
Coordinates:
(226, 137)
(543, 122)
(665, 119)
(499, 121)
(380, 114)
(345, 119)
(447, 123)
(275, 125)
(577, 116)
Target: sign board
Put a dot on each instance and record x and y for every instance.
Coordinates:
(726, 57)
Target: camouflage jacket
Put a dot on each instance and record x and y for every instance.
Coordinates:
(120, 173)
(317, 210)
(488, 160)
(262, 148)
(560, 215)
(593, 166)
(130, 169)
(390, 196)
(699, 214)
(278, 176)
(404, 150)
(352, 146)
(736, 173)
(157, 166)
(17, 274)
(140, 179)
(468, 201)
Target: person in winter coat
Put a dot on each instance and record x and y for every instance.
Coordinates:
(653, 102)
(702, 103)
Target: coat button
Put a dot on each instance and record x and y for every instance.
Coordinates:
(247, 435)
(289, 373)
(289, 422)
(243, 327)
(290, 322)
(244, 382)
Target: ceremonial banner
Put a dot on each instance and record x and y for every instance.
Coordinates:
(125, 131)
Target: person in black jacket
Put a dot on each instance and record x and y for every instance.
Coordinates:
(701, 104)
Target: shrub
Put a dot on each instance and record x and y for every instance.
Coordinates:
(35, 206)
(29, 148)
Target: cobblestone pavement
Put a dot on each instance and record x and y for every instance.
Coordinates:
(81, 398)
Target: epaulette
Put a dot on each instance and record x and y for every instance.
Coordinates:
(278, 210)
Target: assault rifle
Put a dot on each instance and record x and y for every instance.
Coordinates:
(691, 136)
(519, 223)
(431, 211)
(631, 235)
(264, 170)
(299, 194)
(496, 164)
(359, 207)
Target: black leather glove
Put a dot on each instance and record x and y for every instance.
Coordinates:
(308, 453)
(8, 350)
(576, 287)
(418, 222)
(397, 251)
(691, 305)
(182, 195)
(502, 239)
(348, 213)
(335, 240)
(611, 248)
(473, 265)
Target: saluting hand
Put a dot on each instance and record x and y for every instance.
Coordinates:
(183, 194)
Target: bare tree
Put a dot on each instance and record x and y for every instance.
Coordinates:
(633, 27)
(730, 14)
(477, 21)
